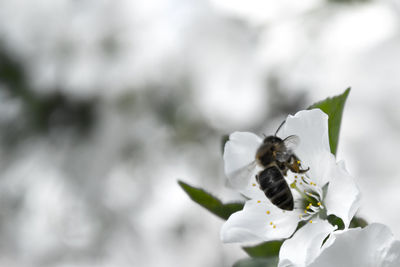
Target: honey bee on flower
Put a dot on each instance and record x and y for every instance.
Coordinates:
(322, 188)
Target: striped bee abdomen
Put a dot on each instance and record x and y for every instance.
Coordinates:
(276, 189)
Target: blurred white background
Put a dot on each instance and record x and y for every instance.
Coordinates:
(105, 104)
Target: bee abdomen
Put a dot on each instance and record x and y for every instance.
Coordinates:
(275, 188)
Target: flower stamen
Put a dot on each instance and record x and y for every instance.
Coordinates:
(311, 196)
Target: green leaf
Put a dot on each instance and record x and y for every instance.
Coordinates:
(264, 250)
(358, 222)
(257, 262)
(334, 108)
(210, 202)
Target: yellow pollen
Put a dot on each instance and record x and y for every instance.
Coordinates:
(258, 201)
(310, 221)
(268, 212)
(271, 223)
(298, 162)
(295, 176)
(302, 177)
(301, 183)
(295, 181)
(274, 226)
(254, 184)
(305, 211)
(319, 203)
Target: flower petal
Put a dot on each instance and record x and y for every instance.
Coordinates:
(343, 196)
(311, 126)
(305, 245)
(392, 257)
(252, 189)
(259, 221)
(239, 157)
(371, 246)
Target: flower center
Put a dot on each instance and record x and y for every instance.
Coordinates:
(310, 203)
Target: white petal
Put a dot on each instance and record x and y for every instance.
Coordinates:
(256, 223)
(311, 126)
(252, 189)
(343, 196)
(392, 257)
(371, 246)
(305, 245)
(239, 157)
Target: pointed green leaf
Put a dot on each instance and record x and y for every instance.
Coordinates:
(333, 106)
(257, 262)
(264, 250)
(210, 202)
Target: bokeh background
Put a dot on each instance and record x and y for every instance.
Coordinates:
(105, 104)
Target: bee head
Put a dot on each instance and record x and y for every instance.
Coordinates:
(272, 139)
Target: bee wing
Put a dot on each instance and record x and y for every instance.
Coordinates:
(283, 156)
(290, 143)
(240, 178)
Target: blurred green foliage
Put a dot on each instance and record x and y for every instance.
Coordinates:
(40, 112)
(257, 262)
(264, 250)
(349, 1)
(209, 202)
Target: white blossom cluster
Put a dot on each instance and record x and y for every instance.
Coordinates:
(325, 189)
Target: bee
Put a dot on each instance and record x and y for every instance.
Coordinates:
(276, 157)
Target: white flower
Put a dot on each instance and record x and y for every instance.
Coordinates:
(325, 189)
(305, 245)
(373, 246)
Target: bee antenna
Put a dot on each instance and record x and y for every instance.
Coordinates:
(280, 126)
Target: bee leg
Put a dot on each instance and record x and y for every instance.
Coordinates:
(292, 164)
(299, 167)
(295, 165)
(304, 171)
